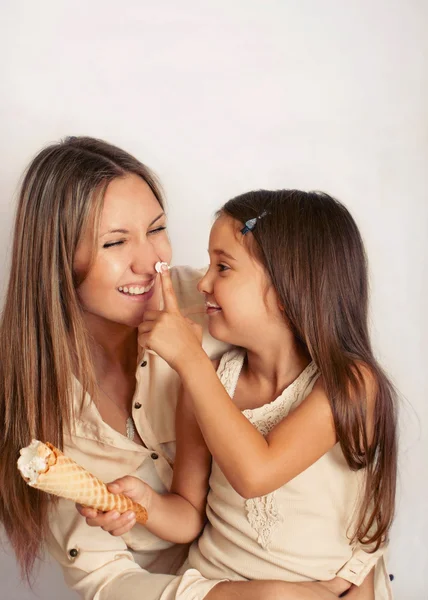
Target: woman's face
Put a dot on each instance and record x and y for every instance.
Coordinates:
(122, 282)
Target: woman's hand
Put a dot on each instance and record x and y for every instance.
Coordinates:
(112, 521)
(270, 590)
(168, 333)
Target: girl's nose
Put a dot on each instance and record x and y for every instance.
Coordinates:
(205, 284)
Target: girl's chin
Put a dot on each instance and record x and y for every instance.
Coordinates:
(220, 333)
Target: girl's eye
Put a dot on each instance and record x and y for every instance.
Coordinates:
(157, 230)
(110, 244)
(222, 267)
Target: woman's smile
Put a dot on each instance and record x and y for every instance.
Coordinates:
(138, 290)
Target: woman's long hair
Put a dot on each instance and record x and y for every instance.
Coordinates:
(43, 341)
(313, 253)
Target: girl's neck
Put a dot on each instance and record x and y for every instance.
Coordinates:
(114, 346)
(276, 365)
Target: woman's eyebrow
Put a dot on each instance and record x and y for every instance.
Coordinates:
(115, 231)
(127, 230)
(157, 219)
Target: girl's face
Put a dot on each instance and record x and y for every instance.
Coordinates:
(122, 282)
(241, 301)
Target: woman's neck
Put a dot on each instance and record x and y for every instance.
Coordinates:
(114, 346)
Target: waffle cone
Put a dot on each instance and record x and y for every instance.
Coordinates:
(65, 478)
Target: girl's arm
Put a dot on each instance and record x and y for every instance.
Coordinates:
(179, 515)
(256, 465)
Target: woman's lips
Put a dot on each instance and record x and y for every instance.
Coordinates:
(138, 297)
(136, 289)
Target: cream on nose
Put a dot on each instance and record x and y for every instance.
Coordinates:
(159, 265)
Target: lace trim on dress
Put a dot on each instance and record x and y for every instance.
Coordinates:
(266, 417)
(230, 368)
(263, 516)
(262, 512)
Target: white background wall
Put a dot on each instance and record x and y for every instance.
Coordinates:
(223, 96)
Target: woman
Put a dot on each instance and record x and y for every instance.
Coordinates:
(89, 229)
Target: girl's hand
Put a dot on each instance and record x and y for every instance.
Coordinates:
(168, 333)
(112, 521)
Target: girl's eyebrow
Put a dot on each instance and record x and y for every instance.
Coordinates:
(127, 231)
(218, 251)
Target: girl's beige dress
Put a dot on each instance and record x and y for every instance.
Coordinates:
(298, 532)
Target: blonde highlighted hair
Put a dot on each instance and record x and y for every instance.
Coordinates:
(43, 341)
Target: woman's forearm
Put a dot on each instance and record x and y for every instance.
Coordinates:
(269, 590)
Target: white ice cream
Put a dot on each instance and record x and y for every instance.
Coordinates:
(32, 460)
(159, 265)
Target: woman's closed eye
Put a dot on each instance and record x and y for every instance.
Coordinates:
(120, 242)
(157, 230)
(110, 244)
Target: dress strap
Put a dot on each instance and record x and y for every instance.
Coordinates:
(229, 369)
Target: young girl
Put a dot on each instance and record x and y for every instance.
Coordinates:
(299, 418)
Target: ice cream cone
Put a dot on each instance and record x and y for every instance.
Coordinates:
(49, 470)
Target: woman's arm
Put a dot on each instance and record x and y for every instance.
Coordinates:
(272, 590)
(365, 591)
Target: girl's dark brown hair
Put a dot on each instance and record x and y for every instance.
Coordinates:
(43, 341)
(312, 251)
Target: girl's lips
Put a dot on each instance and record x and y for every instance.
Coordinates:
(213, 309)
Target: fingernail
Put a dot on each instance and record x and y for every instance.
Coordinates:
(130, 517)
(115, 515)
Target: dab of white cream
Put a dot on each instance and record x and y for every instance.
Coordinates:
(32, 460)
(159, 265)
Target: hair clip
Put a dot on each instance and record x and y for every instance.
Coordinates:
(251, 223)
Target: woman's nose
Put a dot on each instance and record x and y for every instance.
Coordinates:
(144, 259)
